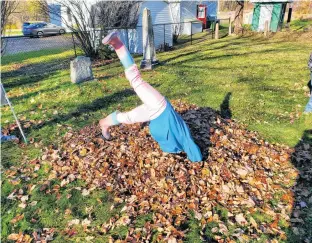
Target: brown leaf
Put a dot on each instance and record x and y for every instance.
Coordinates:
(15, 237)
(240, 219)
(17, 218)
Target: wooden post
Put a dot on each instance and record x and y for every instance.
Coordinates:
(266, 28)
(164, 37)
(289, 14)
(191, 33)
(127, 33)
(230, 26)
(217, 30)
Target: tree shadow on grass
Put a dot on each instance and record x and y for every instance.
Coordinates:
(227, 47)
(32, 73)
(105, 76)
(28, 95)
(301, 219)
(26, 80)
(38, 68)
(209, 48)
(94, 106)
(190, 58)
(176, 56)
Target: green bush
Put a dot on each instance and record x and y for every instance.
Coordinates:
(105, 52)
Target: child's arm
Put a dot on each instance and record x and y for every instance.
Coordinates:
(138, 114)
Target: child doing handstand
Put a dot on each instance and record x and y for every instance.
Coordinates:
(166, 126)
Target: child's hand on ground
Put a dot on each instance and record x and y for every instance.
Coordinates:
(104, 129)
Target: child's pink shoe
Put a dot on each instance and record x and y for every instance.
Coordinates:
(110, 37)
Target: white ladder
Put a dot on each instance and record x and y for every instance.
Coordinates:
(5, 101)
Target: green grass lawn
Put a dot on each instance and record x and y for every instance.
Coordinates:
(300, 24)
(265, 80)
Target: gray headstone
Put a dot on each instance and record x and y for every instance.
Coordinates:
(149, 52)
(80, 69)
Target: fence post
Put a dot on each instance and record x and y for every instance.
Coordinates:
(217, 30)
(266, 28)
(164, 37)
(74, 44)
(230, 26)
(191, 33)
(127, 38)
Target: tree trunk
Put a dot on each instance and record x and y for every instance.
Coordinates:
(238, 20)
(7, 8)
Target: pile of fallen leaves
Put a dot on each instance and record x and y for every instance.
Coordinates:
(301, 220)
(241, 173)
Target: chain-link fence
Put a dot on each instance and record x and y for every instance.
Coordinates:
(167, 36)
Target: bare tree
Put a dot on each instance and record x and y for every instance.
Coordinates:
(87, 21)
(7, 8)
(122, 14)
(227, 5)
(239, 15)
(30, 11)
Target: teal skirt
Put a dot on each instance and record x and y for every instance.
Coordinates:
(173, 135)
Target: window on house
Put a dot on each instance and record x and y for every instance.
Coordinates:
(200, 11)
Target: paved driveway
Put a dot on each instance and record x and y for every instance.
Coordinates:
(26, 44)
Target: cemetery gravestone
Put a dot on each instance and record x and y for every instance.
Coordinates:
(149, 52)
(81, 70)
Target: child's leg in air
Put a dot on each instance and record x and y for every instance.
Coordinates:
(149, 96)
(153, 102)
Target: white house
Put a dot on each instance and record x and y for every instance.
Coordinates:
(165, 15)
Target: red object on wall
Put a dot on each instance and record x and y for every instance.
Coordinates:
(202, 14)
